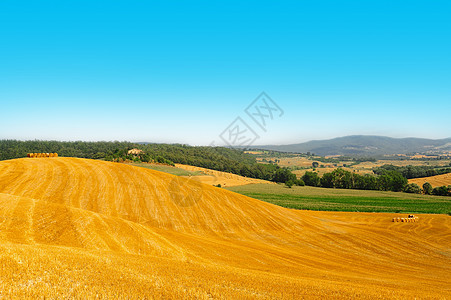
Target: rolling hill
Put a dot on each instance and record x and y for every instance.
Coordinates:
(225, 179)
(435, 181)
(364, 145)
(84, 228)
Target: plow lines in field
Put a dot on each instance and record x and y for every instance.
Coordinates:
(76, 227)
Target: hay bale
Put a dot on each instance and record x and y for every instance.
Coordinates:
(55, 154)
(47, 155)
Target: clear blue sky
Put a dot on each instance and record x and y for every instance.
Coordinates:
(179, 71)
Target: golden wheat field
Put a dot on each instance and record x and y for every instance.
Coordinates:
(437, 180)
(91, 229)
(214, 177)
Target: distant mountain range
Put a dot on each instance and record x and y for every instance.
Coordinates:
(365, 145)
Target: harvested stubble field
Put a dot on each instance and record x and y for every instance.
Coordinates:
(203, 175)
(437, 180)
(214, 177)
(168, 169)
(82, 228)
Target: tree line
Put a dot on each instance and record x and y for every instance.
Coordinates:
(10, 149)
(236, 161)
(387, 180)
(217, 158)
(414, 171)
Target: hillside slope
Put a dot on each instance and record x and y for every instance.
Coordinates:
(225, 179)
(77, 227)
(364, 145)
(136, 194)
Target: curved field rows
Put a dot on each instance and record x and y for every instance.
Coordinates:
(85, 228)
(140, 195)
(437, 180)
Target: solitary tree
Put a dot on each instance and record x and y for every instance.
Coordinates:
(412, 188)
(427, 188)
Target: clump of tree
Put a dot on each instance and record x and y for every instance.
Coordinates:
(413, 188)
(311, 179)
(389, 180)
(289, 183)
(442, 190)
(340, 178)
(427, 188)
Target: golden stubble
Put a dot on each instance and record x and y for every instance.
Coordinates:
(84, 228)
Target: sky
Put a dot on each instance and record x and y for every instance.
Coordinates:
(183, 72)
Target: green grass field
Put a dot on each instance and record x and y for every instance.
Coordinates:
(167, 169)
(312, 198)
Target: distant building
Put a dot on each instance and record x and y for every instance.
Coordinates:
(135, 151)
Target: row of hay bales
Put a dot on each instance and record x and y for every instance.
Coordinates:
(410, 218)
(37, 155)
